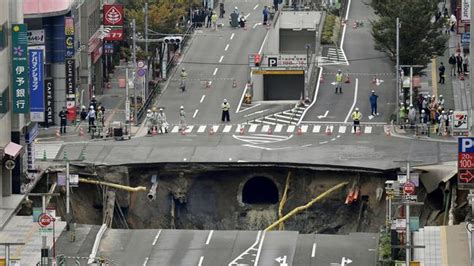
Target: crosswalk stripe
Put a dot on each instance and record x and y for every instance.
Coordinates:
(265, 128)
(237, 130)
(201, 129)
(304, 128)
(227, 128)
(316, 128)
(368, 130)
(278, 128)
(215, 128)
(342, 129)
(253, 128)
(175, 129)
(330, 128)
(290, 128)
(189, 129)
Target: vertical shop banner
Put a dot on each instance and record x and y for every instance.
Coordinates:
(20, 68)
(466, 10)
(71, 89)
(69, 32)
(49, 101)
(113, 15)
(36, 64)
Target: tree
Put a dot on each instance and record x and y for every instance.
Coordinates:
(420, 37)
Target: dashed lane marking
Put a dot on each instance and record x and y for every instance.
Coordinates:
(316, 128)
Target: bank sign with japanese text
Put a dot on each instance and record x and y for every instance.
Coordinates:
(36, 85)
(20, 69)
(466, 163)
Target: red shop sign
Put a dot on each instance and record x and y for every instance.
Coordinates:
(113, 15)
(114, 35)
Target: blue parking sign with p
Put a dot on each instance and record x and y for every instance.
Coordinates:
(466, 145)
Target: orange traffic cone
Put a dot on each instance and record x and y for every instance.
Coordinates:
(328, 130)
(270, 131)
(81, 132)
(208, 84)
(374, 80)
(242, 130)
(461, 77)
(387, 132)
(211, 131)
(58, 134)
(299, 132)
(234, 84)
(321, 79)
(348, 79)
(153, 131)
(358, 132)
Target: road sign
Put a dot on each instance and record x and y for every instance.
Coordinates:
(141, 72)
(44, 219)
(466, 163)
(10, 164)
(470, 226)
(409, 188)
(74, 180)
(282, 261)
(141, 64)
(460, 123)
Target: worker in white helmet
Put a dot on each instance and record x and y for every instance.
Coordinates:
(182, 119)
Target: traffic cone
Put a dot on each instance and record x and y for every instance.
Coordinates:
(242, 130)
(321, 79)
(374, 80)
(234, 84)
(44, 155)
(58, 134)
(387, 132)
(358, 132)
(211, 131)
(354, 25)
(461, 77)
(270, 131)
(81, 132)
(153, 131)
(183, 131)
(298, 131)
(348, 79)
(208, 84)
(328, 130)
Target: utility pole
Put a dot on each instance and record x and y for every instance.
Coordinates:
(411, 79)
(134, 62)
(398, 60)
(146, 28)
(407, 221)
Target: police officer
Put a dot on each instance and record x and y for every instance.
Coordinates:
(94, 102)
(63, 118)
(225, 111)
(91, 117)
(356, 117)
(339, 81)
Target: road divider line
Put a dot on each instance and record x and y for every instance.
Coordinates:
(255, 7)
(255, 25)
(202, 98)
(220, 60)
(263, 43)
(259, 251)
(200, 260)
(209, 237)
(145, 262)
(232, 36)
(226, 47)
(156, 237)
(246, 16)
(195, 113)
(354, 102)
(313, 251)
(215, 71)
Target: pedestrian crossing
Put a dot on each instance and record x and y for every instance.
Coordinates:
(334, 56)
(281, 129)
(290, 116)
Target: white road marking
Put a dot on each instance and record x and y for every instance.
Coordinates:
(265, 148)
(259, 249)
(255, 7)
(368, 130)
(316, 128)
(265, 128)
(189, 129)
(156, 237)
(330, 129)
(195, 113)
(145, 262)
(246, 16)
(342, 129)
(201, 129)
(323, 142)
(278, 128)
(232, 36)
(234, 262)
(324, 116)
(200, 260)
(290, 129)
(253, 128)
(209, 237)
(255, 25)
(209, 83)
(333, 139)
(220, 60)
(215, 128)
(215, 71)
(226, 47)
(263, 43)
(202, 98)
(175, 129)
(313, 251)
(304, 128)
(354, 102)
(255, 113)
(227, 128)
(239, 127)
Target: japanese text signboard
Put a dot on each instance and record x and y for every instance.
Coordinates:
(49, 101)
(466, 163)
(460, 123)
(20, 69)
(114, 35)
(71, 88)
(36, 85)
(69, 33)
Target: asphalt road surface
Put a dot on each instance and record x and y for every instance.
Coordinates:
(217, 248)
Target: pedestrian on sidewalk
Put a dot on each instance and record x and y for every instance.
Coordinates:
(356, 117)
(162, 123)
(182, 119)
(465, 64)
(183, 75)
(275, 4)
(214, 21)
(449, 122)
(94, 102)
(412, 116)
(83, 113)
(221, 9)
(91, 117)
(425, 104)
(419, 103)
(441, 101)
(209, 18)
(402, 114)
(102, 119)
(265, 13)
(452, 65)
(459, 63)
(424, 122)
(373, 103)
(441, 70)
(339, 78)
(443, 118)
(433, 106)
(149, 121)
(225, 111)
(63, 120)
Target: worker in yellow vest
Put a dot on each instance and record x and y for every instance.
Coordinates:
(356, 117)
(339, 78)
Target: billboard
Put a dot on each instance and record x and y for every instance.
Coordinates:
(36, 64)
(466, 163)
(35, 37)
(114, 35)
(460, 123)
(49, 101)
(284, 60)
(69, 34)
(20, 69)
(466, 10)
(71, 88)
(113, 15)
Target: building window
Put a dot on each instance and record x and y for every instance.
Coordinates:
(3, 36)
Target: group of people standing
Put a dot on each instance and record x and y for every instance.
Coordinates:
(204, 17)
(94, 114)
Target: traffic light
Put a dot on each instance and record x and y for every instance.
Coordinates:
(173, 40)
(257, 60)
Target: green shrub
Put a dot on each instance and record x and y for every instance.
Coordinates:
(328, 29)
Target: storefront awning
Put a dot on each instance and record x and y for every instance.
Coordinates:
(13, 149)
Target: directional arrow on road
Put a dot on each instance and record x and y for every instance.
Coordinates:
(378, 82)
(323, 116)
(282, 261)
(345, 261)
(333, 83)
